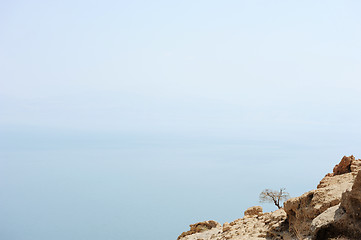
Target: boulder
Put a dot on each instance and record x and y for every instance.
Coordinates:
(344, 166)
(254, 211)
(326, 218)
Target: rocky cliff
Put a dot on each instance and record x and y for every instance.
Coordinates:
(332, 211)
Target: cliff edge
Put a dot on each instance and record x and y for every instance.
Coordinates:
(332, 211)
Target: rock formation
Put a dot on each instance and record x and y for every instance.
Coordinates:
(254, 226)
(302, 210)
(343, 219)
(331, 211)
(201, 227)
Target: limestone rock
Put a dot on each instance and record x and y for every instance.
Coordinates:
(344, 166)
(351, 200)
(355, 165)
(342, 220)
(271, 225)
(256, 210)
(200, 227)
(301, 211)
(226, 227)
(327, 217)
(329, 182)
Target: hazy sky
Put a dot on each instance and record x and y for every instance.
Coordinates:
(133, 119)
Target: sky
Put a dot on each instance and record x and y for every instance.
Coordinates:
(133, 119)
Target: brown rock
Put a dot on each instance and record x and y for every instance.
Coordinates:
(226, 227)
(325, 218)
(272, 225)
(254, 211)
(351, 200)
(356, 165)
(301, 211)
(342, 220)
(200, 227)
(344, 166)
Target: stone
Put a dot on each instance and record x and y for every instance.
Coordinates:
(200, 227)
(301, 211)
(344, 166)
(226, 227)
(342, 220)
(351, 200)
(271, 225)
(254, 211)
(325, 218)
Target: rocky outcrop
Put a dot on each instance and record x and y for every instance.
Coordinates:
(201, 227)
(326, 218)
(254, 211)
(344, 166)
(254, 226)
(332, 210)
(302, 210)
(351, 200)
(343, 219)
(316, 209)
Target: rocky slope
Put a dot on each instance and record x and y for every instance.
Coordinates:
(332, 211)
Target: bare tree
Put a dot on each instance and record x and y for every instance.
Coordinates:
(273, 196)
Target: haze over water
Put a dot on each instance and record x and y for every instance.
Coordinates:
(133, 119)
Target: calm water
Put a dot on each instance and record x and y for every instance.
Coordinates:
(91, 186)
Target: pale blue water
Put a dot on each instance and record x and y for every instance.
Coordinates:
(61, 185)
